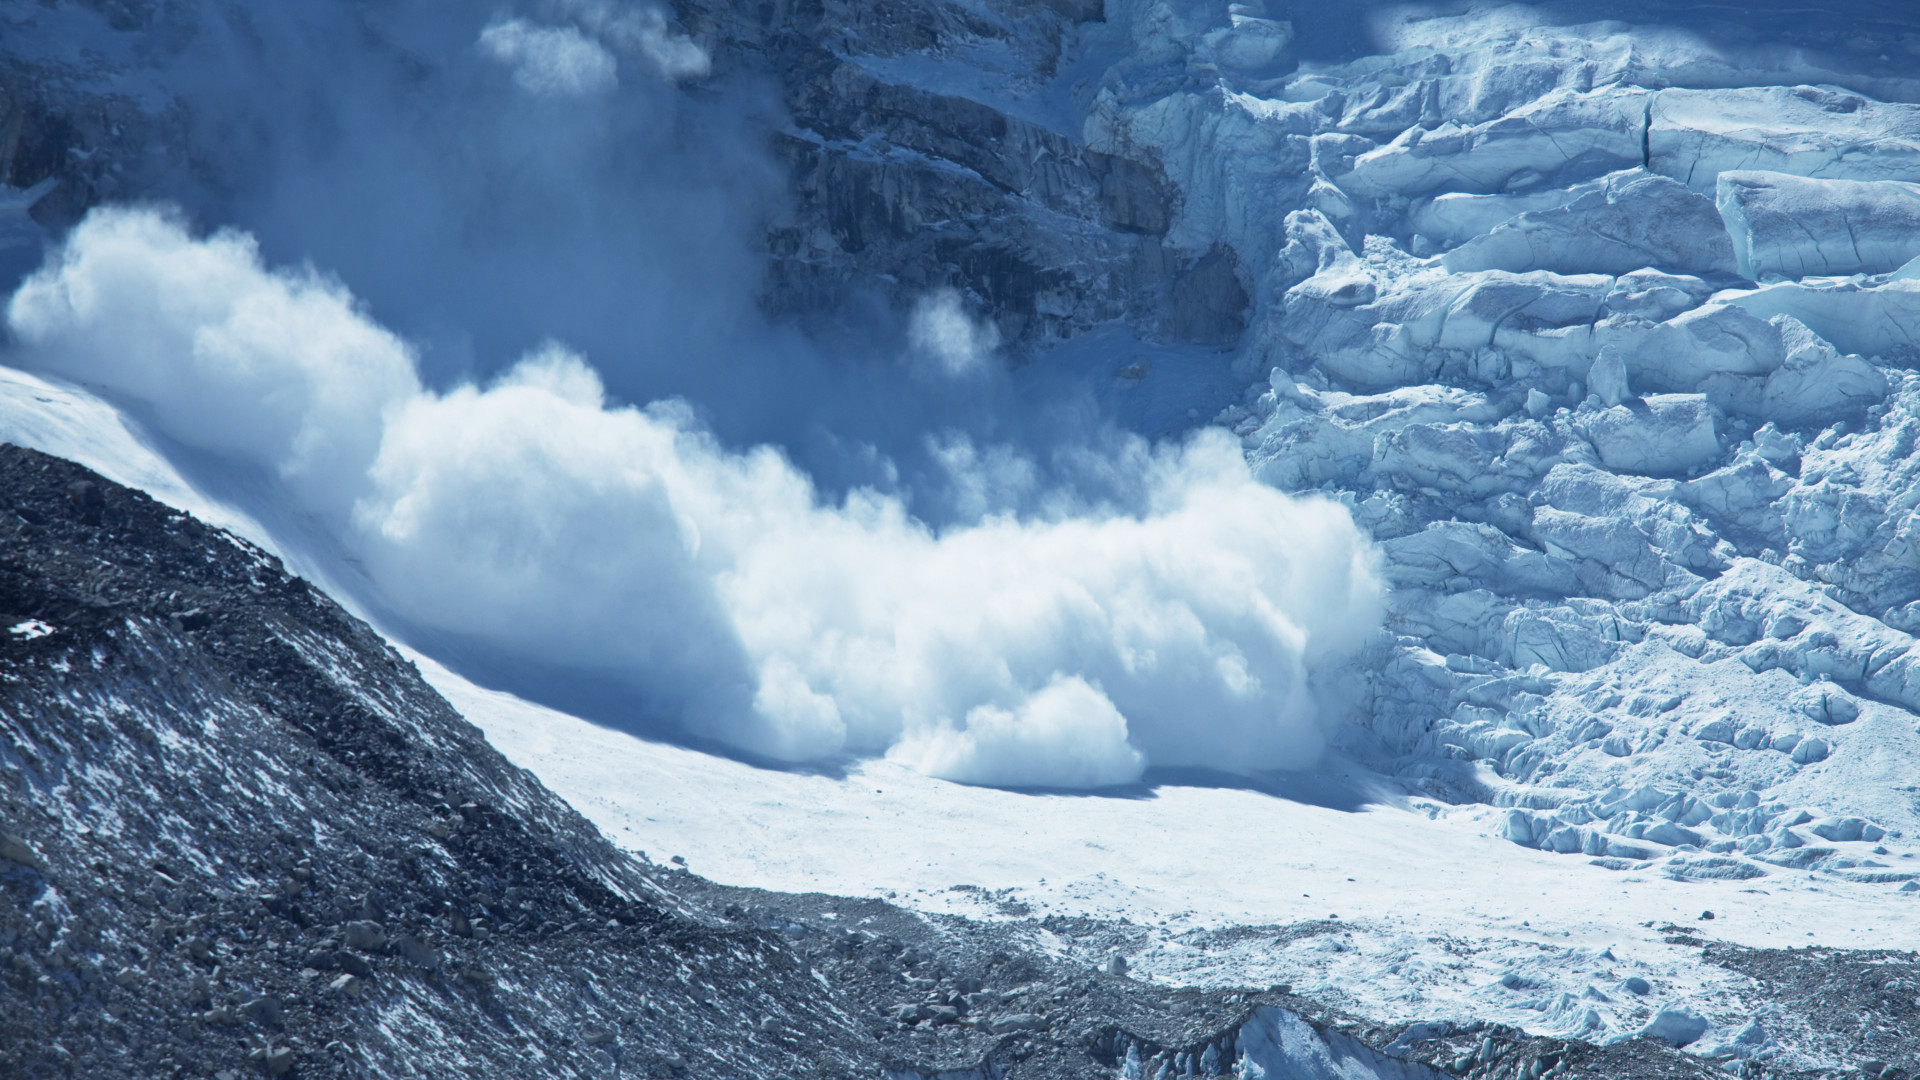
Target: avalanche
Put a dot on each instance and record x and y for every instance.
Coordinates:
(1605, 333)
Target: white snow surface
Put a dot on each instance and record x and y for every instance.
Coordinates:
(1435, 913)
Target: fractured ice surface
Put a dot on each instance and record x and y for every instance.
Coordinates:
(1794, 227)
(1610, 347)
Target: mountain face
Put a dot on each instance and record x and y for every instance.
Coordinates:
(242, 837)
(1604, 333)
(243, 834)
(1600, 320)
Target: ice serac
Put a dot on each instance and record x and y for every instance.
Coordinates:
(1787, 226)
(1694, 135)
(1595, 333)
(1565, 132)
(1629, 221)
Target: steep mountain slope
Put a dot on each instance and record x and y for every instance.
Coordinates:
(242, 836)
(1605, 330)
(239, 826)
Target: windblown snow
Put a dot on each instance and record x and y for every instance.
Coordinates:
(531, 514)
(1573, 508)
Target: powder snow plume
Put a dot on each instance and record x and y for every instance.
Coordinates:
(1067, 648)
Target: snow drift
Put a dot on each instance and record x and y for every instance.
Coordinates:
(1071, 648)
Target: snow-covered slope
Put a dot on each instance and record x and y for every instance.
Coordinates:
(1605, 332)
(1399, 909)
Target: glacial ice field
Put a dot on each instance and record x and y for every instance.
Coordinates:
(1607, 334)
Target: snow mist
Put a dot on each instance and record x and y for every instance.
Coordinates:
(1067, 649)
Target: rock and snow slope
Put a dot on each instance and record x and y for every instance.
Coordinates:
(240, 836)
(1604, 332)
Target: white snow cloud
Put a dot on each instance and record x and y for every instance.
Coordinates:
(551, 61)
(534, 515)
(949, 341)
(279, 368)
(574, 57)
(642, 32)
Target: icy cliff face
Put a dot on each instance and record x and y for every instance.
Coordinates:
(1604, 329)
(1611, 349)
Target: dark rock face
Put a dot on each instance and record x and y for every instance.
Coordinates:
(899, 189)
(921, 190)
(893, 190)
(242, 833)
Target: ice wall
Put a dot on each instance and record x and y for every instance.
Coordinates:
(1610, 344)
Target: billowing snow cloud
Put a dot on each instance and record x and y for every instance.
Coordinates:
(946, 340)
(642, 32)
(532, 514)
(575, 57)
(551, 61)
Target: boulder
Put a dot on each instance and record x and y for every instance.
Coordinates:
(1676, 1026)
(363, 934)
(1016, 1022)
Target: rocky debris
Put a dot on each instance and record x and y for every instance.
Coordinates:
(363, 934)
(1860, 1007)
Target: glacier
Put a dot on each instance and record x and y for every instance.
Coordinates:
(1610, 353)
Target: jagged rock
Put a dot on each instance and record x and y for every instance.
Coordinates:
(265, 1011)
(417, 952)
